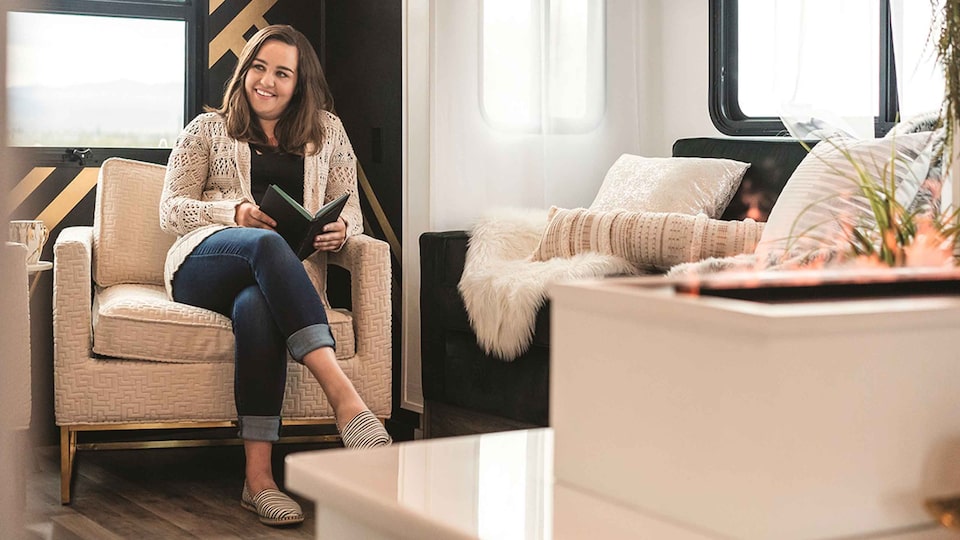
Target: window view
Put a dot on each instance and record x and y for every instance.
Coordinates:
(542, 64)
(76, 80)
(867, 62)
(824, 54)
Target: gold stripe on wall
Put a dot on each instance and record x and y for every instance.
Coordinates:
(70, 197)
(26, 186)
(214, 4)
(379, 213)
(231, 37)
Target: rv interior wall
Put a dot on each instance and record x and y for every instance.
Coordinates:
(656, 60)
(684, 74)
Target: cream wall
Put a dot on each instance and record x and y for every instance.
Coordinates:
(657, 54)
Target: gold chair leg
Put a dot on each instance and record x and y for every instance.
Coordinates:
(68, 452)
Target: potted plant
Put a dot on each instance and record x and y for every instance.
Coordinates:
(946, 38)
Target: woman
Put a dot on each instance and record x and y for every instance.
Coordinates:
(275, 126)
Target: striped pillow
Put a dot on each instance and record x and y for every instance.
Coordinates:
(821, 200)
(656, 240)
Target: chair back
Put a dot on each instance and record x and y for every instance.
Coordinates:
(128, 245)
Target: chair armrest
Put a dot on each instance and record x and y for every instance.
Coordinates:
(368, 261)
(72, 297)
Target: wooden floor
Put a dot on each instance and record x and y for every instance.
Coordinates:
(146, 494)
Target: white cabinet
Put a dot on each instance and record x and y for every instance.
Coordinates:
(751, 420)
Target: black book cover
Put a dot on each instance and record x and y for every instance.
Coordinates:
(294, 222)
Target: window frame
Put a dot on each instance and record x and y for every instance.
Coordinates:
(724, 107)
(191, 12)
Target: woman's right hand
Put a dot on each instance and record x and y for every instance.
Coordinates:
(249, 215)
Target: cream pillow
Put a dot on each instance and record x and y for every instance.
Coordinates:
(655, 240)
(685, 185)
(821, 199)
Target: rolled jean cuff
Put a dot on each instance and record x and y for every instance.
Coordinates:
(310, 338)
(259, 428)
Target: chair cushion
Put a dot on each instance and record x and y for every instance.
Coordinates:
(128, 245)
(139, 322)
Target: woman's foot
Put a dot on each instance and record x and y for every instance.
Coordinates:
(272, 506)
(364, 430)
(259, 482)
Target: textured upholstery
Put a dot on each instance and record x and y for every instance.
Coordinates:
(128, 242)
(15, 342)
(98, 387)
(657, 240)
(139, 322)
(687, 185)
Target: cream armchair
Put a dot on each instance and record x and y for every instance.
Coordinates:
(127, 358)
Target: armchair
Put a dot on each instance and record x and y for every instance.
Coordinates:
(127, 358)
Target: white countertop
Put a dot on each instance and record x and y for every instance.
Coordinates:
(496, 486)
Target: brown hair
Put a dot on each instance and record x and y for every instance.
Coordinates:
(301, 123)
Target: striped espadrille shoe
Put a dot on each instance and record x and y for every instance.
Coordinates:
(272, 506)
(365, 431)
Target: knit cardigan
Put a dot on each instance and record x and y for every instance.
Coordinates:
(208, 175)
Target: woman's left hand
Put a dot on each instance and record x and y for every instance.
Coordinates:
(332, 237)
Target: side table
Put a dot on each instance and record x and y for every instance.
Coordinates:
(34, 270)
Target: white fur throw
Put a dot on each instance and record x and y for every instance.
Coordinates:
(503, 288)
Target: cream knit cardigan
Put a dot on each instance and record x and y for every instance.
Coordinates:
(208, 175)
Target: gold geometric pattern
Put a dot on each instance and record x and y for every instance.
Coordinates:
(379, 213)
(70, 197)
(231, 37)
(78, 188)
(26, 186)
(214, 4)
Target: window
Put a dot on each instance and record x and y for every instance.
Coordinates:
(774, 57)
(103, 75)
(542, 65)
(69, 84)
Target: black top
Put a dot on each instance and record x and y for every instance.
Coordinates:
(267, 166)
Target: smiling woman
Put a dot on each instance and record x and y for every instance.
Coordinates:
(276, 126)
(270, 83)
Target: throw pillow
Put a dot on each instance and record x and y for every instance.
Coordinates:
(685, 185)
(821, 201)
(656, 240)
(928, 198)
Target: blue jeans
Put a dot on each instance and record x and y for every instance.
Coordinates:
(254, 278)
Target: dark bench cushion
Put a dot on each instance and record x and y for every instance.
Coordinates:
(455, 370)
(772, 161)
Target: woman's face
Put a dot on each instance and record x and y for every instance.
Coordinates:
(271, 79)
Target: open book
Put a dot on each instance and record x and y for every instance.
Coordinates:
(294, 223)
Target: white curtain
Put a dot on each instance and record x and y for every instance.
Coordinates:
(525, 141)
(813, 59)
(919, 76)
(819, 59)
